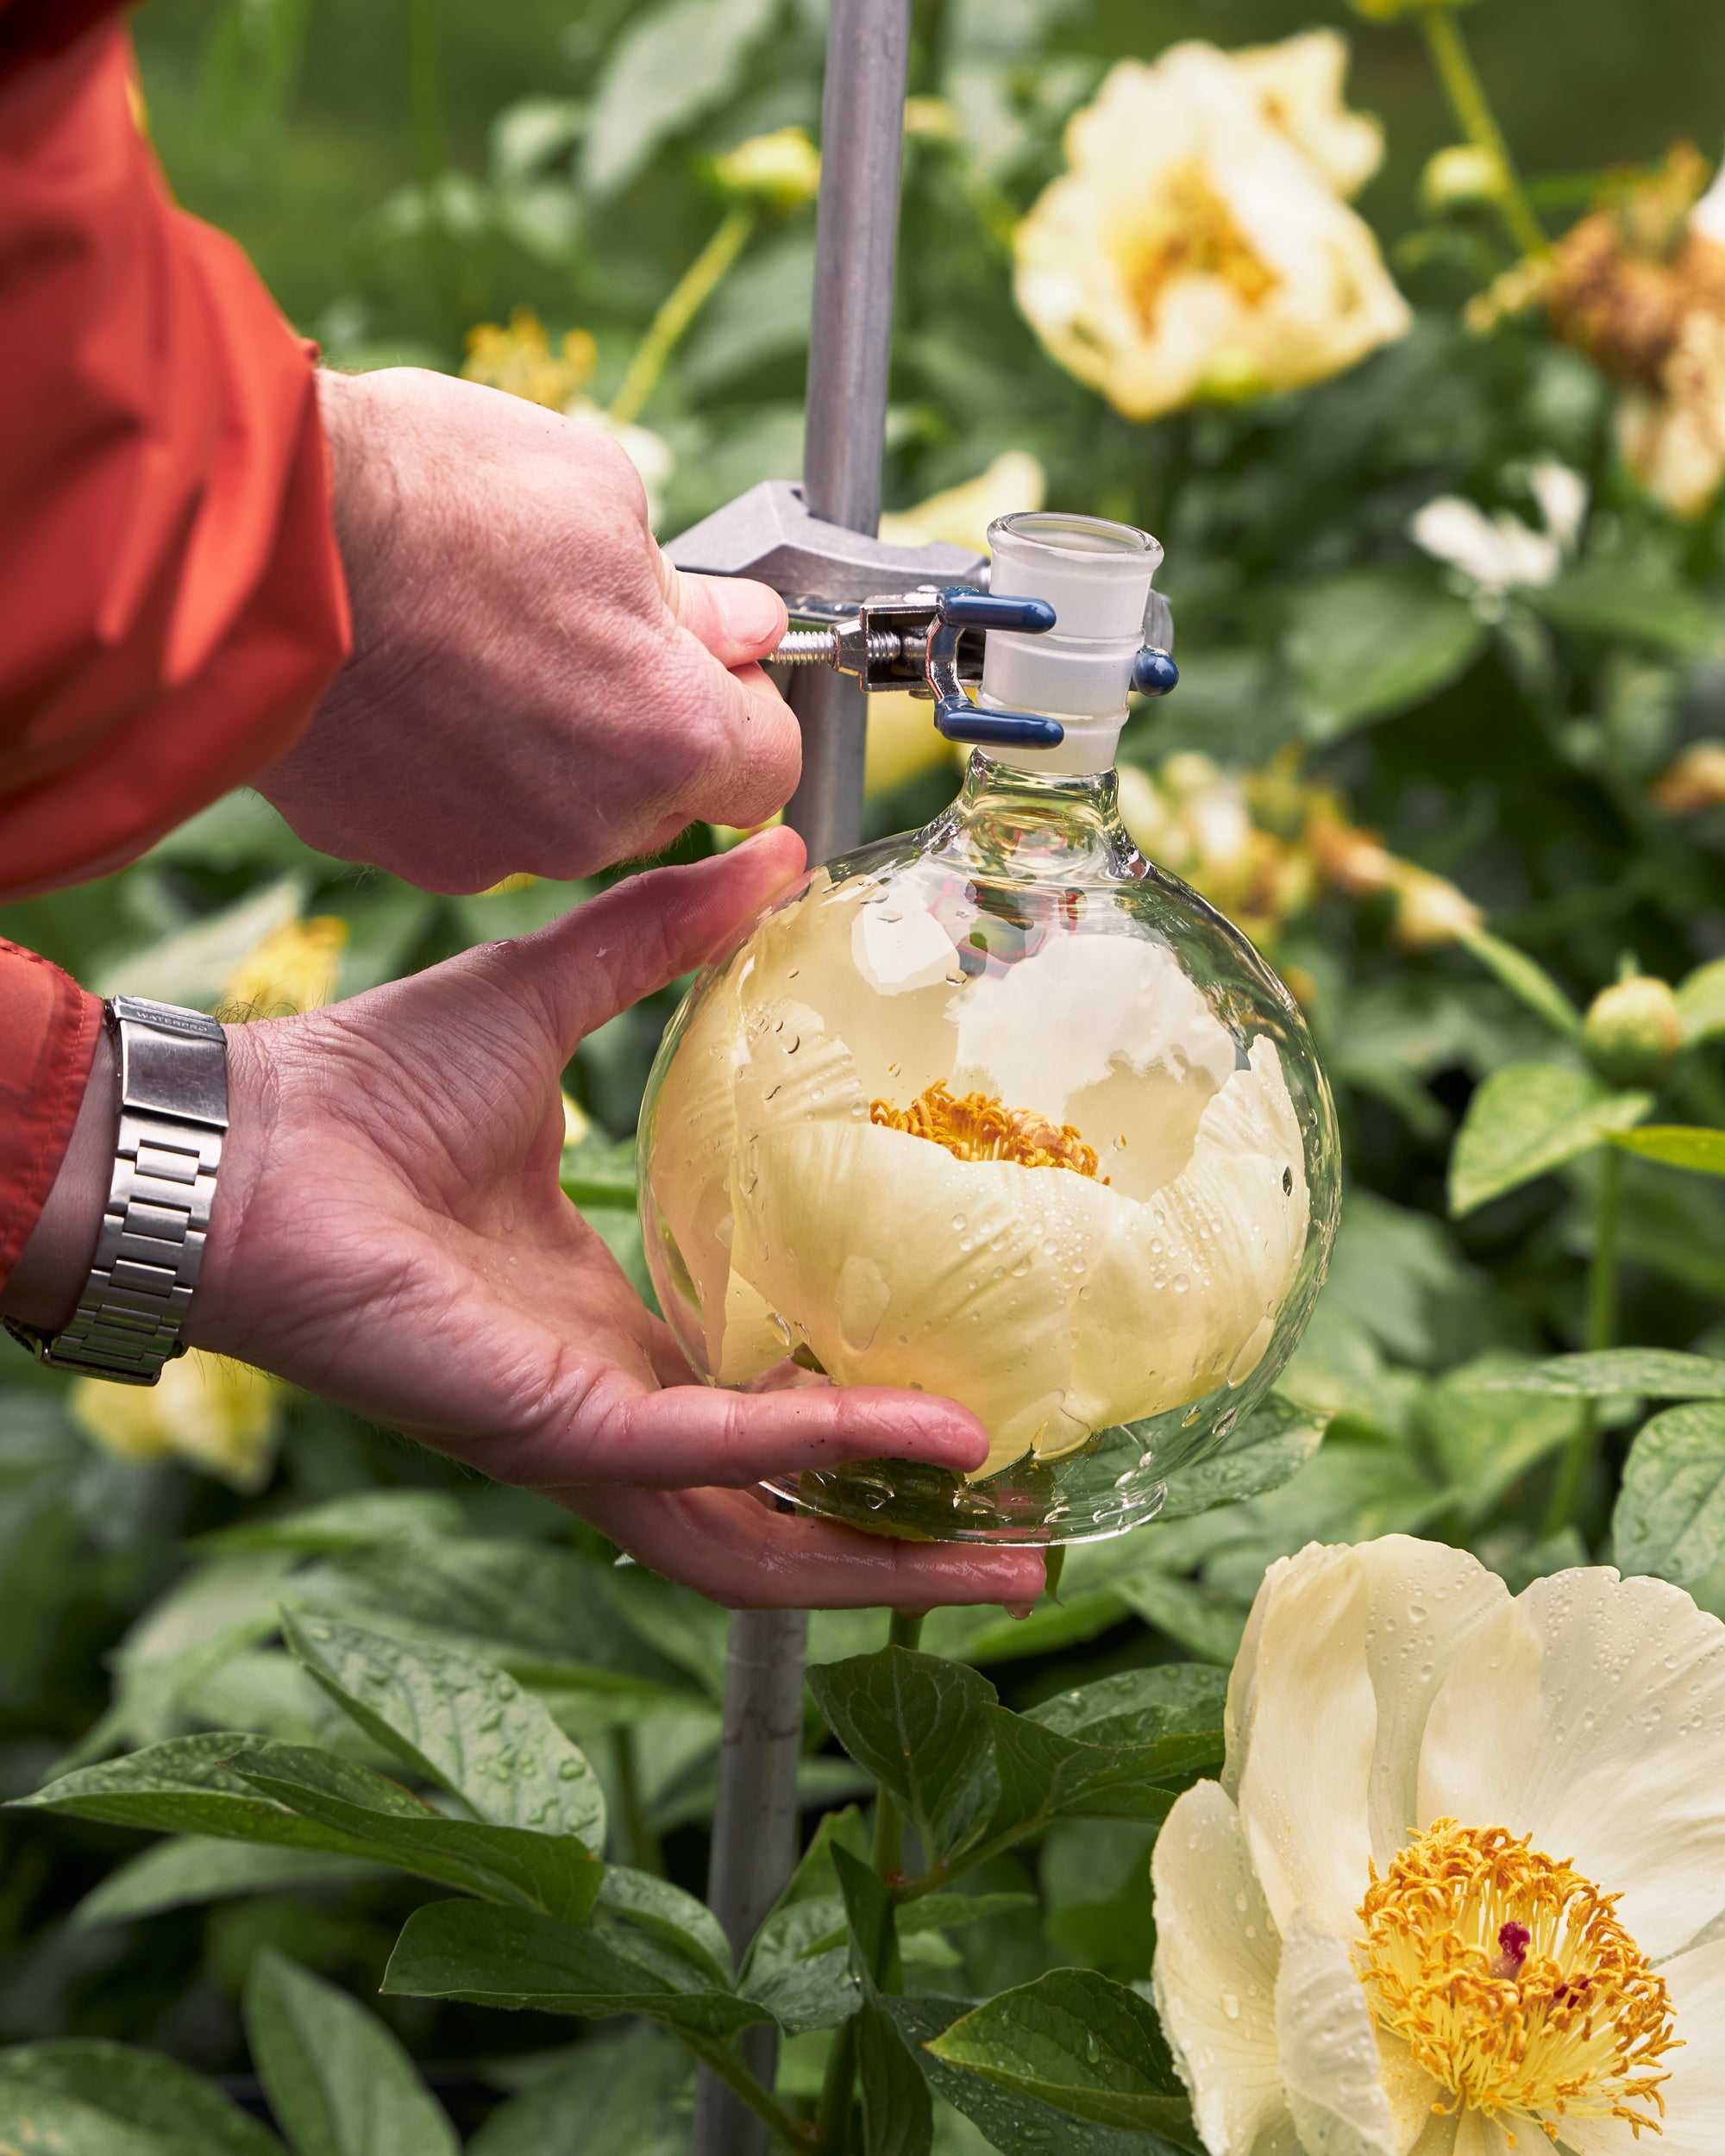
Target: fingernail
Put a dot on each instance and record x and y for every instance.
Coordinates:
(751, 613)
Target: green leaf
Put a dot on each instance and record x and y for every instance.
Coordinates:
(598, 1171)
(981, 1636)
(1609, 599)
(1670, 1518)
(620, 2093)
(869, 1915)
(1484, 1441)
(355, 1522)
(84, 2096)
(918, 1724)
(671, 1915)
(1077, 2040)
(336, 2079)
(1700, 1001)
(193, 1868)
(1205, 1621)
(1372, 641)
(1525, 979)
(509, 1957)
(1264, 1449)
(1527, 1119)
(898, 2112)
(1173, 1710)
(1656, 1373)
(470, 1728)
(1014, 2123)
(664, 72)
(187, 1785)
(1676, 1145)
(551, 1871)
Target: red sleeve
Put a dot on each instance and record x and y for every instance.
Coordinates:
(170, 596)
(47, 1038)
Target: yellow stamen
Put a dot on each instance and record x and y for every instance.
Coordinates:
(975, 1126)
(1513, 1982)
(1193, 234)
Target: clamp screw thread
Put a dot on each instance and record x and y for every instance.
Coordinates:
(820, 646)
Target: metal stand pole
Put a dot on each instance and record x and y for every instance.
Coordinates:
(868, 57)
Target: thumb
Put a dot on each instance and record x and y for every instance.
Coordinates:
(738, 620)
(606, 954)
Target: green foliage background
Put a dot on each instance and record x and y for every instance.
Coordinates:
(401, 169)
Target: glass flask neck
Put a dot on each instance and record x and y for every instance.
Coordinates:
(1062, 827)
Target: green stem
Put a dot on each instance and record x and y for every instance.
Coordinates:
(642, 1843)
(685, 301)
(757, 2094)
(832, 2119)
(1468, 100)
(425, 89)
(1573, 1470)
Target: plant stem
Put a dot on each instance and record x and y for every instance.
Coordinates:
(644, 1852)
(721, 2060)
(1468, 101)
(684, 302)
(1601, 1332)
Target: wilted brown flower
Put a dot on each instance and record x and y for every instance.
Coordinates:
(1696, 781)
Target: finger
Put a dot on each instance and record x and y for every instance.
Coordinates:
(605, 955)
(735, 1551)
(605, 1426)
(737, 620)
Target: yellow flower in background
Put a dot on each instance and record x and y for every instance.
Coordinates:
(1198, 245)
(1458, 1890)
(902, 740)
(221, 1417)
(294, 968)
(520, 360)
(1136, 1198)
(1196, 819)
(781, 169)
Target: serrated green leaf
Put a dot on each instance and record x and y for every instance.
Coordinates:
(1669, 1516)
(1525, 979)
(1079, 2042)
(1676, 1145)
(470, 1728)
(1263, 1450)
(1656, 1373)
(86, 2096)
(192, 1868)
(501, 1957)
(1528, 1120)
(337, 2078)
(918, 1724)
(546, 1871)
(1372, 641)
(1700, 1001)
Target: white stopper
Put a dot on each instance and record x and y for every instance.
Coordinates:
(1096, 575)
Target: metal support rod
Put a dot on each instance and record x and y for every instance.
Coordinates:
(867, 60)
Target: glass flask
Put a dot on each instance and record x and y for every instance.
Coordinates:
(1000, 1110)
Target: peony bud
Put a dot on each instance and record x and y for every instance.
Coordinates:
(1460, 178)
(1633, 1029)
(781, 169)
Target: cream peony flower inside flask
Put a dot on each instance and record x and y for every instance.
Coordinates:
(999, 1110)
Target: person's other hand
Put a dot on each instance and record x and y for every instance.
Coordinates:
(389, 1232)
(531, 686)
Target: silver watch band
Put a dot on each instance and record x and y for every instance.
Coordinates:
(173, 1112)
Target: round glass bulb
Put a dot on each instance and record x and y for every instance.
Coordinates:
(1001, 1111)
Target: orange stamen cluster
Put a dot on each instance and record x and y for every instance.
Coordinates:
(1512, 1982)
(975, 1126)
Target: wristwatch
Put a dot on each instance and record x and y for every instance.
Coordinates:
(173, 1070)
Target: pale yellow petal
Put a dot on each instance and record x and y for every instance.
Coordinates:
(1589, 1713)
(1216, 1955)
(1299, 84)
(1304, 1780)
(1332, 2076)
(691, 1142)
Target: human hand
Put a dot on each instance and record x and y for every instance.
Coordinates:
(389, 1232)
(532, 687)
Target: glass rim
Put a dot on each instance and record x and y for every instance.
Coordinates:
(1066, 532)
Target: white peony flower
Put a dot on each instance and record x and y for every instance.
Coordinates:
(1058, 1192)
(1457, 1890)
(1499, 553)
(1194, 247)
(1299, 85)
